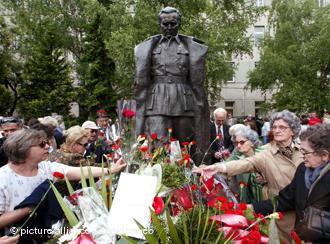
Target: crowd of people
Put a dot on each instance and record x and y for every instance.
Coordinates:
(31, 154)
(278, 157)
(293, 168)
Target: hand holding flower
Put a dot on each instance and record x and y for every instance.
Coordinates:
(208, 171)
(119, 166)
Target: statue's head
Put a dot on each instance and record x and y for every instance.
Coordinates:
(169, 20)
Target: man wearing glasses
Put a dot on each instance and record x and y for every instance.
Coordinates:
(8, 125)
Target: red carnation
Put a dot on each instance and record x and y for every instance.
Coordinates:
(115, 147)
(295, 237)
(219, 136)
(193, 142)
(143, 148)
(280, 215)
(154, 136)
(255, 235)
(185, 143)
(58, 175)
(242, 206)
(127, 113)
(242, 184)
(158, 205)
(194, 187)
(101, 111)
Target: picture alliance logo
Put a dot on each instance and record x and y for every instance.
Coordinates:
(147, 231)
(37, 231)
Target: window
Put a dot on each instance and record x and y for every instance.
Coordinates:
(232, 79)
(259, 32)
(229, 106)
(320, 3)
(257, 107)
(260, 3)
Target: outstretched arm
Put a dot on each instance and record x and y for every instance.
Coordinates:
(74, 173)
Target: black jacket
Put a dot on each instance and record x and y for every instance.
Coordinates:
(295, 197)
(228, 144)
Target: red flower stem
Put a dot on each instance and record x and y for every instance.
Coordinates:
(253, 224)
(207, 190)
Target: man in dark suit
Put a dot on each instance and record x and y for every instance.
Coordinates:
(219, 128)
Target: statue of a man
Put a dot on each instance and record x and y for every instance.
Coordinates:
(169, 91)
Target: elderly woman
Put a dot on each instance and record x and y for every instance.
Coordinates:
(308, 194)
(246, 143)
(278, 163)
(72, 151)
(26, 170)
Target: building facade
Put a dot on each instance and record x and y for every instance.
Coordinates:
(235, 97)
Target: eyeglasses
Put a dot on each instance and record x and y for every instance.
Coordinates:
(83, 145)
(280, 127)
(43, 144)
(241, 143)
(304, 153)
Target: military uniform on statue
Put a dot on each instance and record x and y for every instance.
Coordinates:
(169, 84)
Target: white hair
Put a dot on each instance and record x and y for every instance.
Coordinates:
(234, 128)
(220, 110)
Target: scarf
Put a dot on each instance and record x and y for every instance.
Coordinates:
(312, 174)
(286, 151)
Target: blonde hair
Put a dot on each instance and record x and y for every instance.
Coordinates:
(73, 135)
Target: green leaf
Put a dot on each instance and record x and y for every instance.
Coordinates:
(198, 225)
(129, 239)
(70, 216)
(158, 227)
(185, 229)
(83, 179)
(206, 223)
(91, 179)
(150, 238)
(110, 185)
(104, 186)
(68, 185)
(172, 229)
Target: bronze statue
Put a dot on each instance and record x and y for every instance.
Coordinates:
(169, 89)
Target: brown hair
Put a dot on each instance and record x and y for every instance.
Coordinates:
(318, 137)
(18, 144)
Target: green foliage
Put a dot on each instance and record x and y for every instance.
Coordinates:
(8, 78)
(220, 24)
(295, 60)
(193, 226)
(96, 67)
(69, 214)
(5, 100)
(100, 37)
(173, 176)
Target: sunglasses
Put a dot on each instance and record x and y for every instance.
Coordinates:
(239, 142)
(83, 145)
(43, 144)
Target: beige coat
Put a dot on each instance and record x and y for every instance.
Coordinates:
(277, 170)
